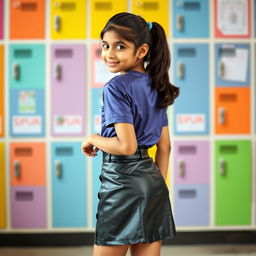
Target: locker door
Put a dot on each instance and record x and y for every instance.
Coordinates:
(232, 18)
(28, 206)
(27, 19)
(153, 10)
(233, 182)
(28, 163)
(1, 91)
(101, 11)
(68, 83)
(191, 162)
(191, 205)
(2, 187)
(191, 74)
(100, 74)
(228, 59)
(68, 19)
(232, 110)
(69, 184)
(96, 94)
(1, 19)
(190, 19)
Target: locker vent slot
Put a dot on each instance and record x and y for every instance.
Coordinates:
(24, 196)
(103, 6)
(227, 52)
(186, 150)
(228, 97)
(187, 52)
(228, 149)
(151, 6)
(63, 53)
(191, 6)
(23, 53)
(68, 6)
(188, 193)
(28, 6)
(98, 52)
(23, 151)
(64, 151)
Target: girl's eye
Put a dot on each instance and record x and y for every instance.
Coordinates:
(104, 46)
(120, 47)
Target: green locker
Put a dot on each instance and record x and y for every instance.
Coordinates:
(233, 182)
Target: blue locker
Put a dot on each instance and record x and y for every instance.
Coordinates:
(96, 96)
(229, 58)
(69, 185)
(190, 18)
(191, 74)
(191, 205)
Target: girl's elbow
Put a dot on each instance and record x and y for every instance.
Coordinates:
(130, 149)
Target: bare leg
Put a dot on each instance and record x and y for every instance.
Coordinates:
(146, 249)
(114, 250)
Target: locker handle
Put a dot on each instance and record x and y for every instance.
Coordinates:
(182, 168)
(222, 167)
(17, 169)
(58, 168)
(222, 116)
(180, 22)
(57, 23)
(16, 71)
(181, 70)
(58, 72)
(221, 70)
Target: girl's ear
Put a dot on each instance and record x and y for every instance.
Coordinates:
(142, 51)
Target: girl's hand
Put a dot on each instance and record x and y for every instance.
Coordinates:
(88, 148)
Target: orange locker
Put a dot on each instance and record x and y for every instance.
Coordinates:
(28, 164)
(1, 91)
(27, 19)
(232, 110)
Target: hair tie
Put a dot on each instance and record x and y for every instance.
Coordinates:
(150, 25)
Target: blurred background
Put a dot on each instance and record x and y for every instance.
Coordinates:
(51, 79)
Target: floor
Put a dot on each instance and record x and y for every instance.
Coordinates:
(227, 250)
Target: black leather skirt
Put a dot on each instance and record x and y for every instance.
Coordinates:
(134, 205)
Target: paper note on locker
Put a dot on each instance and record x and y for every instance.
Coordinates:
(102, 75)
(190, 122)
(27, 124)
(232, 17)
(27, 102)
(236, 67)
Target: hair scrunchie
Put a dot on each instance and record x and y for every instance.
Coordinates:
(150, 25)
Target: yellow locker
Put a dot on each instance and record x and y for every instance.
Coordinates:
(153, 10)
(2, 188)
(1, 91)
(101, 11)
(68, 19)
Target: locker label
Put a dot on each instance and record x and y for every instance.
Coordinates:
(27, 124)
(64, 151)
(187, 150)
(67, 124)
(191, 6)
(28, 6)
(188, 193)
(190, 122)
(63, 53)
(228, 149)
(187, 52)
(21, 152)
(103, 6)
(68, 6)
(23, 53)
(24, 196)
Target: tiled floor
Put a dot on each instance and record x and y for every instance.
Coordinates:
(195, 250)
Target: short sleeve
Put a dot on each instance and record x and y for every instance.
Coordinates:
(117, 105)
(165, 121)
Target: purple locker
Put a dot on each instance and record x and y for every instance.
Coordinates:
(191, 205)
(28, 207)
(1, 19)
(191, 162)
(68, 97)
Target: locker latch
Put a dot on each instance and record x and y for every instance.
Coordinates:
(221, 69)
(181, 70)
(17, 169)
(58, 72)
(16, 71)
(221, 116)
(182, 168)
(222, 167)
(58, 168)
(180, 22)
(57, 23)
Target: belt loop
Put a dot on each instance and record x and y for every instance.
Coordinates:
(140, 154)
(109, 158)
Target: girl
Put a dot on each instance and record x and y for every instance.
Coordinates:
(134, 208)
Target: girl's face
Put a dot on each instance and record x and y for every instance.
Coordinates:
(119, 55)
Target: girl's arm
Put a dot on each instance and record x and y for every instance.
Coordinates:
(163, 151)
(124, 143)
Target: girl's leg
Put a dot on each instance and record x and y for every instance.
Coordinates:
(146, 249)
(114, 250)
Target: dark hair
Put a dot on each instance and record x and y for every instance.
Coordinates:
(135, 29)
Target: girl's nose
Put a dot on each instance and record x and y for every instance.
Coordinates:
(110, 53)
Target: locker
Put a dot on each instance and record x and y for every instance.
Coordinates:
(101, 11)
(28, 163)
(228, 59)
(2, 187)
(190, 19)
(1, 91)
(69, 185)
(68, 19)
(96, 95)
(191, 205)
(1, 19)
(68, 85)
(153, 10)
(28, 207)
(27, 19)
(191, 74)
(100, 74)
(232, 19)
(191, 162)
(232, 110)
(233, 182)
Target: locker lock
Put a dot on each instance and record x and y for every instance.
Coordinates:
(58, 168)
(17, 169)
(58, 72)
(16, 71)
(181, 70)
(221, 70)
(221, 116)
(57, 23)
(180, 22)
(222, 167)
(182, 168)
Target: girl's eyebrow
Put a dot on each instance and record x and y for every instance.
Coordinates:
(118, 42)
